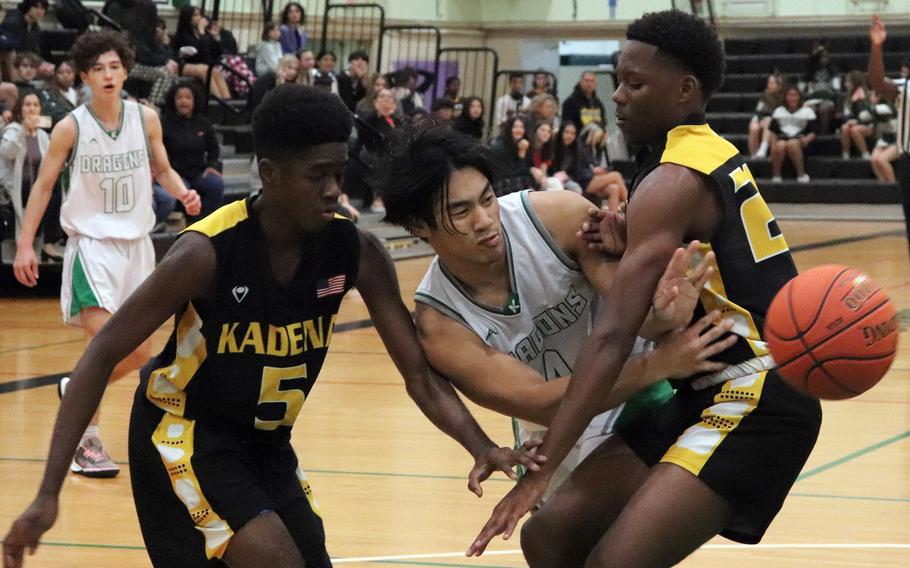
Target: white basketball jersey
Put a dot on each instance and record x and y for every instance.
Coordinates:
(109, 193)
(550, 309)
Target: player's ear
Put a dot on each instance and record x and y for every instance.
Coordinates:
(689, 89)
(420, 230)
(269, 172)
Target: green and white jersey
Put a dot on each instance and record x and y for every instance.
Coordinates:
(550, 309)
(109, 194)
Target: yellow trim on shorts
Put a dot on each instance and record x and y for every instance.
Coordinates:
(222, 219)
(308, 491)
(173, 438)
(167, 385)
(736, 400)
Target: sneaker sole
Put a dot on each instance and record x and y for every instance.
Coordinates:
(94, 474)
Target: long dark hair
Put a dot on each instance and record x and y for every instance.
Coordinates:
(546, 149)
(566, 157)
(284, 13)
(505, 134)
(464, 123)
(185, 20)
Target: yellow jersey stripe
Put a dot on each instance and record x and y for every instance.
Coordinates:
(222, 219)
(698, 147)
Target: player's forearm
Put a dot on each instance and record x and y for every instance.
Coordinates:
(876, 68)
(83, 395)
(171, 181)
(38, 199)
(438, 401)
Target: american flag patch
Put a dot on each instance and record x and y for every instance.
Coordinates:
(332, 286)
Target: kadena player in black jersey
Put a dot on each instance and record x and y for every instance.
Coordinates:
(255, 288)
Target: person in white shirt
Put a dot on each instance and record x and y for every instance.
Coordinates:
(791, 130)
(268, 52)
(513, 102)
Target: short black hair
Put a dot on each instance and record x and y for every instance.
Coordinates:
(686, 41)
(293, 117)
(441, 103)
(452, 79)
(359, 54)
(516, 76)
(91, 45)
(27, 5)
(412, 176)
(267, 29)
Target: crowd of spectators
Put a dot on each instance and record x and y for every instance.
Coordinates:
(790, 116)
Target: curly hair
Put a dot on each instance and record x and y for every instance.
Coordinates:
(170, 99)
(686, 41)
(412, 176)
(293, 117)
(90, 46)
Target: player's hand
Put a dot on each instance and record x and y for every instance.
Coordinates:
(27, 529)
(877, 32)
(506, 514)
(686, 352)
(678, 289)
(504, 459)
(604, 231)
(25, 265)
(191, 202)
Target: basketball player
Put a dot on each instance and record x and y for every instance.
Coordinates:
(515, 290)
(111, 149)
(255, 289)
(717, 460)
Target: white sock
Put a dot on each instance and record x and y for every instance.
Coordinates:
(90, 432)
(762, 149)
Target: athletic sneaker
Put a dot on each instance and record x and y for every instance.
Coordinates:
(91, 460)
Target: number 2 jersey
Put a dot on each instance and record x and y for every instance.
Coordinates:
(108, 179)
(752, 259)
(247, 354)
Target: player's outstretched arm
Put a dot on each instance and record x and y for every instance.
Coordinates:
(877, 78)
(63, 137)
(655, 229)
(162, 295)
(434, 395)
(162, 171)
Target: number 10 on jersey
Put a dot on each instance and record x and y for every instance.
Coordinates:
(119, 195)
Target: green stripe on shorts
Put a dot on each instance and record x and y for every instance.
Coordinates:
(654, 395)
(82, 295)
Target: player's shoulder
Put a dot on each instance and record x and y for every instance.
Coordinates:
(559, 213)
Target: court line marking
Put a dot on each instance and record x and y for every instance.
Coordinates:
(852, 456)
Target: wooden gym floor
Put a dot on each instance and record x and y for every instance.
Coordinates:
(392, 488)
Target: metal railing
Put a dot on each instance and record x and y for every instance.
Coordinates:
(353, 27)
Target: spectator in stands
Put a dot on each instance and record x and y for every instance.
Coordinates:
(19, 31)
(382, 121)
(771, 98)
(512, 145)
(154, 61)
(905, 67)
(512, 103)
(238, 74)
(453, 93)
(541, 85)
(822, 83)
(544, 108)
(268, 52)
(791, 129)
(306, 67)
(288, 72)
(408, 86)
(541, 153)
(22, 146)
(58, 97)
(199, 51)
(443, 109)
(376, 82)
(859, 123)
(191, 145)
(352, 86)
(27, 64)
(575, 169)
(885, 150)
(325, 69)
(583, 108)
(470, 121)
(293, 35)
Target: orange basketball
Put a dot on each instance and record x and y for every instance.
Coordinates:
(832, 332)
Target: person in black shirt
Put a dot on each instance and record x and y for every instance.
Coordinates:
(19, 31)
(470, 121)
(189, 139)
(352, 82)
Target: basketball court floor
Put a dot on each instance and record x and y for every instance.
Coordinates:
(392, 489)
